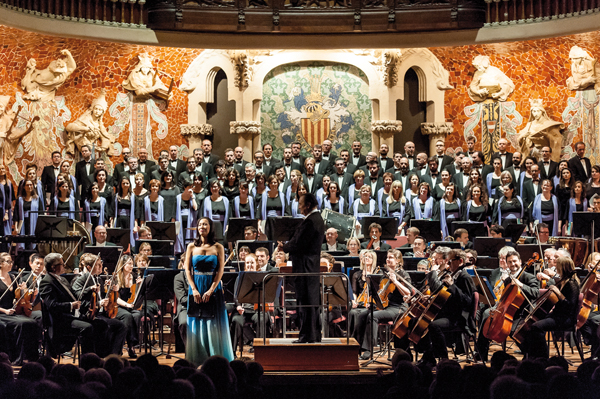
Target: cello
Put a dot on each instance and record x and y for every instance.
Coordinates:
(498, 325)
(540, 310)
(589, 289)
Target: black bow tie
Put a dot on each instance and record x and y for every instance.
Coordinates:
(88, 162)
(340, 175)
(373, 179)
(238, 161)
(310, 175)
(536, 181)
(142, 162)
(546, 163)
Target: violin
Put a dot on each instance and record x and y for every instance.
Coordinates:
(23, 305)
(499, 324)
(589, 289)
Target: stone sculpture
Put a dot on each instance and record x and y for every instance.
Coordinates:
(144, 80)
(42, 84)
(89, 129)
(11, 136)
(541, 131)
(489, 82)
(583, 70)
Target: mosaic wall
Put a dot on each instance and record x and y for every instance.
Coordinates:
(99, 65)
(539, 69)
(305, 101)
(309, 102)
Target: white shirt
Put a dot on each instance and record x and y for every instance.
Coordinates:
(332, 247)
(582, 160)
(355, 159)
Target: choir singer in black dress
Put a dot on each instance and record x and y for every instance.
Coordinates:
(305, 250)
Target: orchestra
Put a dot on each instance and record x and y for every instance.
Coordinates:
(102, 310)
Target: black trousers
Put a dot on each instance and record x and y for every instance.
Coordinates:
(307, 298)
(535, 339)
(483, 344)
(590, 332)
(365, 331)
(131, 320)
(109, 335)
(23, 335)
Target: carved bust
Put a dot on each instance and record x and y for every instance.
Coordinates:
(144, 80)
(583, 70)
(489, 82)
(89, 129)
(42, 84)
(541, 131)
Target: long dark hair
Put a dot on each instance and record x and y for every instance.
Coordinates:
(210, 237)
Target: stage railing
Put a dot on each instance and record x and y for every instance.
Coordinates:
(321, 305)
(511, 12)
(118, 13)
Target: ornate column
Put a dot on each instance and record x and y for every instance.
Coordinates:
(383, 132)
(196, 133)
(248, 133)
(436, 131)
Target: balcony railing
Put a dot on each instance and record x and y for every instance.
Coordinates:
(506, 12)
(121, 13)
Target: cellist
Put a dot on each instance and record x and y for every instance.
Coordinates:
(590, 331)
(456, 310)
(564, 314)
(109, 334)
(527, 283)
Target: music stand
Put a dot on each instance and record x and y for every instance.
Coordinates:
(373, 281)
(282, 228)
(527, 250)
(410, 262)
(51, 227)
(349, 261)
(119, 237)
(582, 225)
(417, 278)
(159, 247)
(381, 258)
(475, 229)
(334, 292)
(389, 226)
(162, 230)
(429, 229)
(487, 262)
(109, 255)
(228, 282)
(236, 226)
(162, 261)
(488, 246)
(514, 231)
(160, 286)
(483, 286)
(447, 244)
(248, 289)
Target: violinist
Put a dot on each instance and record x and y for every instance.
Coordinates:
(22, 332)
(564, 314)
(109, 334)
(127, 314)
(36, 264)
(590, 331)
(547, 274)
(396, 297)
(368, 262)
(528, 285)
(62, 303)
(455, 311)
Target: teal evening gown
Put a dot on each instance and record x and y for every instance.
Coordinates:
(208, 336)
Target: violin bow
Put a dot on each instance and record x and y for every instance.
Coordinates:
(11, 284)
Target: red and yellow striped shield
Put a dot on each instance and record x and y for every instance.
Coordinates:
(315, 133)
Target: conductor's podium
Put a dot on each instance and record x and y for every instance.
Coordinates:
(279, 354)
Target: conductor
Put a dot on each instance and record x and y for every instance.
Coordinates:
(305, 249)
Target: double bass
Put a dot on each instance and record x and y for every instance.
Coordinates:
(499, 324)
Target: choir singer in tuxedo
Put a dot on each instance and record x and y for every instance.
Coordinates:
(305, 249)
